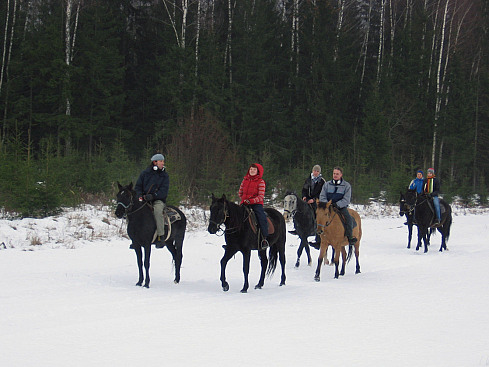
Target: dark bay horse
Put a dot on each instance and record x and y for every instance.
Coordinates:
(424, 215)
(332, 231)
(141, 228)
(405, 209)
(239, 236)
(304, 222)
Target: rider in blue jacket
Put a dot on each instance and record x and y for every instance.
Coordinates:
(417, 183)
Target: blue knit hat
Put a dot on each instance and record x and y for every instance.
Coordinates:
(158, 157)
(420, 171)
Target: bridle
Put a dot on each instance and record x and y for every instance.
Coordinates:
(328, 222)
(127, 208)
(410, 208)
(219, 224)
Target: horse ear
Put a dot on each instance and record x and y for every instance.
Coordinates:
(130, 185)
(119, 186)
(224, 196)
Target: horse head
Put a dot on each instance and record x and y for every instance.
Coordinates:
(124, 199)
(323, 216)
(290, 203)
(219, 214)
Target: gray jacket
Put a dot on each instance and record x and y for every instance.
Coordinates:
(338, 192)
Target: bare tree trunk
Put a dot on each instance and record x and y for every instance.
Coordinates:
(294, 44)
(439, 82)
(381, 40)
(364, 49)
(6, 68)
(196, 68)
(339, 26)
(7, 19)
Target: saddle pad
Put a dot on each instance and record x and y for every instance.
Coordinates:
(172, 214)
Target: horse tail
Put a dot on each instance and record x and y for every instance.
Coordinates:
(350, 252)
(272, 259)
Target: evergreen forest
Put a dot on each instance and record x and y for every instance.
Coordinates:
(91, 89)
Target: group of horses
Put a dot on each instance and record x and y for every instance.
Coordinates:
(239, 227)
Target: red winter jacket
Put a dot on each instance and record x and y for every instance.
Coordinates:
(252, 188)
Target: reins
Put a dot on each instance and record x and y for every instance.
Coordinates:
(328, 223)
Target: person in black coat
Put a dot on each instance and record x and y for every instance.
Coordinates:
(310, 193)
(152, 186)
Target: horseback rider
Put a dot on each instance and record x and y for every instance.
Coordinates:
(152, 186)
(339, 192)
(432, 189)
(418, 182)
(252, 192)
(310, 193)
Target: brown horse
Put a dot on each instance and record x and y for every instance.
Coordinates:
(332, 231)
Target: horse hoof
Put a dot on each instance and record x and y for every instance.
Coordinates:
(176, 281)
(282, 283)
(225, 288)
(244, 291)
(317, 279)
(298, 262)
(257, 286)
(146, 286)
(139, 284)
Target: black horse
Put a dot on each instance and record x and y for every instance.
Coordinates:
(424, 216)
(304, 223)
(408, 211)
(240, 236)
(141, 228)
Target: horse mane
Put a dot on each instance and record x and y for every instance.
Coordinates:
(236, 217)
(322, 205)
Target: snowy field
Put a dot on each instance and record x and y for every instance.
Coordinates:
(67, 298)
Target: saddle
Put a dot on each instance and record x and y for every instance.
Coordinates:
(254, 222)
(443, 209)
(343, 219)
(170, 216)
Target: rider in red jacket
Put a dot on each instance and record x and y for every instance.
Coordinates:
(252, 192)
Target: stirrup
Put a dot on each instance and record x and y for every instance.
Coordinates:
(264, 244)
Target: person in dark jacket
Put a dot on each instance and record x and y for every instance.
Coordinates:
(432, 188)
(339, 192)
(252, 192)
(310, 193)
(152, 186)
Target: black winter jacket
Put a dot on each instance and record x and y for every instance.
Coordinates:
(312, 192)
(155, 182)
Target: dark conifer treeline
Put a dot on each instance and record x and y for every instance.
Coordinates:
(89, 89)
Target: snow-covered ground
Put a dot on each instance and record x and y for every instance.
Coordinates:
(67, 298)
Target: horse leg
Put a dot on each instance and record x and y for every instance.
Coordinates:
(227, 255)
(264, 262)
(343, 263)
(281, 258)
(139, 258)
(337, 261)
(420, 237)
(357, 257)
(299, 253)
(147, 255)
(410, 232)
(322, 253)
(177, 254)
(443, 243)
(246, 270)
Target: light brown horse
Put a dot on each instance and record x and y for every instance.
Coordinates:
(332, 231)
